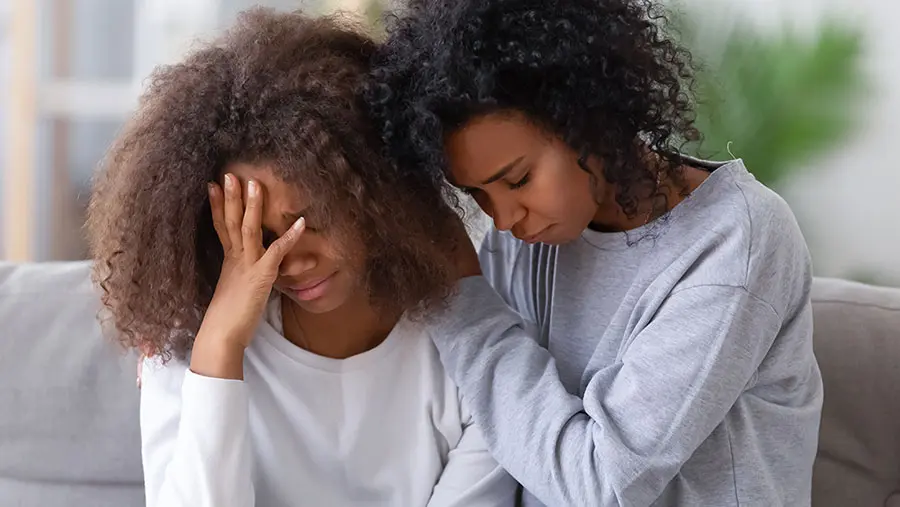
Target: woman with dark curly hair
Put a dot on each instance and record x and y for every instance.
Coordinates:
(659, 346)
(252, 164)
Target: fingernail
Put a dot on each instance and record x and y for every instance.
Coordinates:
(251, 188)
(211, 188)
(229, 183)
(299, 223)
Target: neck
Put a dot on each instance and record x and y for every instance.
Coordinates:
(655, 202)
(353, 328)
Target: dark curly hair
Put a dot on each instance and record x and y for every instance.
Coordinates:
(282, 89)
(602, 75)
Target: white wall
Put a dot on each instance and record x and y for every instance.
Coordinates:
(848, 201)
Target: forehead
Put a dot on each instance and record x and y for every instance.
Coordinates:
(484, 145)
(277, 193)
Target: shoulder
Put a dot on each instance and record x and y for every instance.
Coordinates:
(760, 211)
(745, 234)
(420, 375)
(417, 359)
(162, 376)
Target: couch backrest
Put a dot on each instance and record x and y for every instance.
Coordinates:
(69, 432)
(857, 344)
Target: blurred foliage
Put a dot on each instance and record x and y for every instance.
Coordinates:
(373, 13)
(775, 100)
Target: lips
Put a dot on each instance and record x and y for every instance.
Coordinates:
(308, 284)
(309, 290)
(534, 238)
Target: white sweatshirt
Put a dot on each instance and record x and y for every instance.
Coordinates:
(385, 428)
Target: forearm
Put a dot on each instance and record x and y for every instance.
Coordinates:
(639, 421)
(215, 357)
(196, 448)
(472, 477)
(524, 412)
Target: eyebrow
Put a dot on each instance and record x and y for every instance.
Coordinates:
(294, 216)
(503, 171)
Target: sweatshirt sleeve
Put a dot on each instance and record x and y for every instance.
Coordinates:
(640, 419)
(194, 439)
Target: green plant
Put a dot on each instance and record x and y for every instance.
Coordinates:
(373, 12)
(774, 100)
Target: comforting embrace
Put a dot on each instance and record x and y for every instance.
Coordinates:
(277, 230)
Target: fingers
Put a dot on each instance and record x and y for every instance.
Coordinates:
(217, 206)
(251, 230)
(277, 250)
(234, 212)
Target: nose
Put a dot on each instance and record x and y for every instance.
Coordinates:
(506, 213)
(296, 263)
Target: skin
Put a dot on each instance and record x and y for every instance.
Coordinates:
(251, 206)
(529, 181)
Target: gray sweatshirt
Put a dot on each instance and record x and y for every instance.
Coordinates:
(670, 365)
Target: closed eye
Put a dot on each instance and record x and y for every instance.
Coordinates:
(293, 217)
(268, 237)
(522, 181)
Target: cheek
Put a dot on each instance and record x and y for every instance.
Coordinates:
(348, 257)
(483, 201)
(350, 280)
(555, 193)
(561, 196)
(577, 187)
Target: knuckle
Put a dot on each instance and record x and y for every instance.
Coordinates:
(278, 248)
(248, 231)
(231, 223)
(275, 248)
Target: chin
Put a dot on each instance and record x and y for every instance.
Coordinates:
(560, 238)
(556, 242)
(319, 306)
(565, 239)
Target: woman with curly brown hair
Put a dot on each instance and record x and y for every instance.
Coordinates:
(659, 346)
(251, 164)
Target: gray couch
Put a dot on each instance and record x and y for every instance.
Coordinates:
(69, 431)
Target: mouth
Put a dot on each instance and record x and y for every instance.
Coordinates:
(310, 289)
(535, 238)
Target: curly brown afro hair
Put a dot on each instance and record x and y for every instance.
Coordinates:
(602, 75)
(278, 88)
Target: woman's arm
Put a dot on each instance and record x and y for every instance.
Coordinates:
(472, 478)
(194, 421)
(641, 419)
(194, 436)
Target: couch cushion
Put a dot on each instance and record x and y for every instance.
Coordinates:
(69, 430)
(857, 343)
